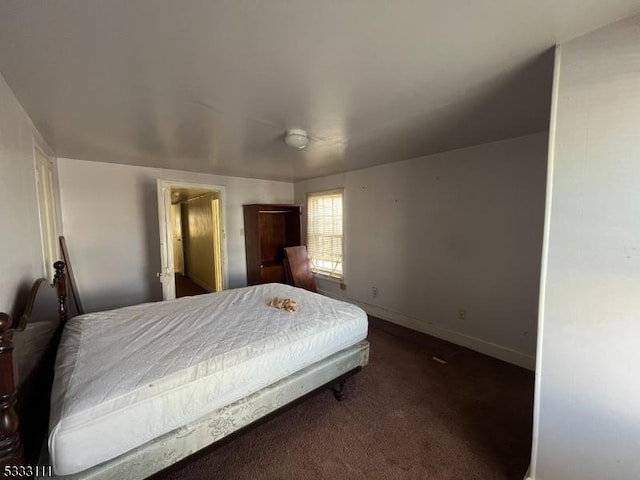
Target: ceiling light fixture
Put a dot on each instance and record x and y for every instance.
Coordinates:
(296, 138)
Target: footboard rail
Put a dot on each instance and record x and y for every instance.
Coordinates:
(10, 445)
(11, 426)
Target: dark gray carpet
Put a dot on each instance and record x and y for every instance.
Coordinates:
(405, 417)
(185, 287)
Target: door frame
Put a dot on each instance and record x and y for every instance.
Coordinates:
(166, 274)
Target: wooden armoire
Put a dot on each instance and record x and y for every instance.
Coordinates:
(268, 229)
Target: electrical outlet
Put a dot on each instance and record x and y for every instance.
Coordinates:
(462, 314)
(374, 292)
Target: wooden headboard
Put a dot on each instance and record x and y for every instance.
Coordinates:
(27, 354)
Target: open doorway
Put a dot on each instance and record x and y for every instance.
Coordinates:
(192, 238)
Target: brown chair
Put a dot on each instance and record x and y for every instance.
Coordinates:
(298, 268)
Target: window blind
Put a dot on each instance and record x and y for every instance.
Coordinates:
(324, 233)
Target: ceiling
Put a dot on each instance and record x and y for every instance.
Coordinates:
(212, 86)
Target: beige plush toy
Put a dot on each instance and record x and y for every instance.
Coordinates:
(284, 304)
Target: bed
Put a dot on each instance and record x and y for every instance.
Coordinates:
(140, 388)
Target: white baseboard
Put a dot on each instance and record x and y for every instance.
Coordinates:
(492, 349)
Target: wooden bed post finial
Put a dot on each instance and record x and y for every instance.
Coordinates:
(10, 448)
(60, 282)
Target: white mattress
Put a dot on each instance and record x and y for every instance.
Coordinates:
(126, 376)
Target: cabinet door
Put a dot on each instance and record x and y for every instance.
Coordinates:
(272, 274)
(269, 229)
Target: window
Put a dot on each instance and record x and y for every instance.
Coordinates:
(324, 233)
(47, 210)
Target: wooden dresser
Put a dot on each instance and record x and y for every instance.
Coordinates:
(268, 229)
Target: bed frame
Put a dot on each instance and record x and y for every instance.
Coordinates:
(34, 338)
(29, 347)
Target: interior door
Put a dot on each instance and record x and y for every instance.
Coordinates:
(217, 240)
(166, 273)
(47, 209)
(178, 250)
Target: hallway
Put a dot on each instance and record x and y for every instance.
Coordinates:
(185, 287)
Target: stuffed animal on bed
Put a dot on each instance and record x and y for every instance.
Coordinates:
(284, 304)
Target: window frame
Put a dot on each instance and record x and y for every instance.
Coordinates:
(320, 274)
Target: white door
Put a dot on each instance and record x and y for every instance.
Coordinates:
(47, 211)
(166, 273)
(178, 250)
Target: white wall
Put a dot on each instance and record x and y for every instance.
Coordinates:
(587, 422)
(21, 259)
(461, 229)
(110, 215)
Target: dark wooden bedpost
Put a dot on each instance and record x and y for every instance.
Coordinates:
(10, 448)
(61, 286)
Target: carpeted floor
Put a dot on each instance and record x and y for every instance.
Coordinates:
(405, 417)
(185, 287)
